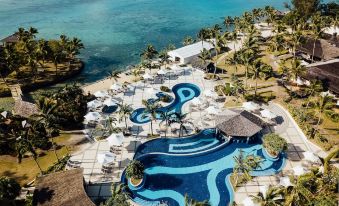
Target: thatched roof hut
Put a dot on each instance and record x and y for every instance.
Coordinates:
(24, 108)
(200, 64)
(14, 38)
(327, 73)
(64, 188)
(324, 50)
(239, 123)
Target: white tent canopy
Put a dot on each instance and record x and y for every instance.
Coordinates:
(151, 91)
(116, 86)
(268, 114)
(298, 170)
(4, 114)
(110, 102)
(210, 93)
(161, 72)
(116, 139)
(310, 156)
(187, 53)
(147, 76)
(92, 116)
(106, 158)
(285, 181)
(101, 93)
(251, 106)
(94, 104)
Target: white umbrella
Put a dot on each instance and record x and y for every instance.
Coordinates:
(212, 110)
(285, 181)
(4, 114)
(147, 76)
(92, 116)
(310, 156)
(298, 170)
(263, 189)
(105, 158)
(115, 139)
(196, 101)
(209, 93)
(251, 106)
(161, 72)
(116, 87)
(94, 104)
(151, 91)
(248, 202)
(101, 93)
(110, 102)
(268, 114)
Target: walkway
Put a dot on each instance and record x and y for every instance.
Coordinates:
(16, 91)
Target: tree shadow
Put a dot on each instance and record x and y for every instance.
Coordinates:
(42, 195)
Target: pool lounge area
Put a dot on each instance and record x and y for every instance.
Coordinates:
(200, 172)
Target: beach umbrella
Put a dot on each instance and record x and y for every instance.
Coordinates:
(267, 114)
(151, 91)
(4, 114)
(251, 106)
(248, 202)
(110, 102)
(310, 156)
(196, 101)
(263, 189)
(106, 158)
(299, 82)
(161, 72)
(147, 76)
(115, 139)
(210, 93)
(92, 116)
(298, 170)
(285, 181)
(94, 104)
(116, 86)
(101, 93)
(212, 110)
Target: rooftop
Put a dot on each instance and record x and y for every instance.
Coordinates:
(10, 39)
(323, 49)
(61, 188)
(192, 49)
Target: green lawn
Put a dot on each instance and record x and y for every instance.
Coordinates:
(7, 103)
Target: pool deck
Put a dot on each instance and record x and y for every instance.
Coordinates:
(99, 186)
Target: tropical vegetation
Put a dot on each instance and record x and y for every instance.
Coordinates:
(274, 144)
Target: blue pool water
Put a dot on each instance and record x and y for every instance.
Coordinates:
(115, 31)
(183, 93)
(202, 174)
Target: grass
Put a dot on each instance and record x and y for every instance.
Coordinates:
(7, 103)
(28, 170)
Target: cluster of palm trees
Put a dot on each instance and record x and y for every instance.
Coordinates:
(33, 53)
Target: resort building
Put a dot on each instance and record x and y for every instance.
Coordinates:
(324, 50)
(14, 38)
(186, 54)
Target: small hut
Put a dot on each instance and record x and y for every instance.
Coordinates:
(239, 124)
(12, 39)
(64, 188)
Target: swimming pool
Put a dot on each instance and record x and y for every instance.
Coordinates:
(183, 93)
(202, 174)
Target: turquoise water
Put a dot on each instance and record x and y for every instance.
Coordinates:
(115, 31)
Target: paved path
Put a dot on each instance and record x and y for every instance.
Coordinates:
(16, 91)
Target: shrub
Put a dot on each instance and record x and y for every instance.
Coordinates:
(274, 144)
(165, 89)
(9, 188)
(135, 169)
(166, 98)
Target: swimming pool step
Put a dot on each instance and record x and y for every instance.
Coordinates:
(142, 202)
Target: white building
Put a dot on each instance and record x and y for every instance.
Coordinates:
(186, 54)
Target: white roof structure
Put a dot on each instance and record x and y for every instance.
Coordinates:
(94, 104)
(187, 53)
(268, 114)
(116, 139)
(92, 116)
(250, 106)
(110, 102)
(4, 114)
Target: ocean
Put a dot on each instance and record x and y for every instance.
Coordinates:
(115, 31)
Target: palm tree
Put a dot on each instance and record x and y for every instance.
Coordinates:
(149, 53)
(247, 57)
(228, 21)
(237, 85)
(12, 59)
(245, 164)
(270, 14)
(151, 110)
(114, 75)
(295, 39)
(274, 196)
(323, 104)
(46, 117)
(180, 119)
(297, 194)
(187, 41)
(124, 112)
(317, 25)
(135, 169)
(164, 57)
(73, 48)
(315, 87)
(191, 202)
(165, 117)
(203, 35)
(297, 69)
(205, 55)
